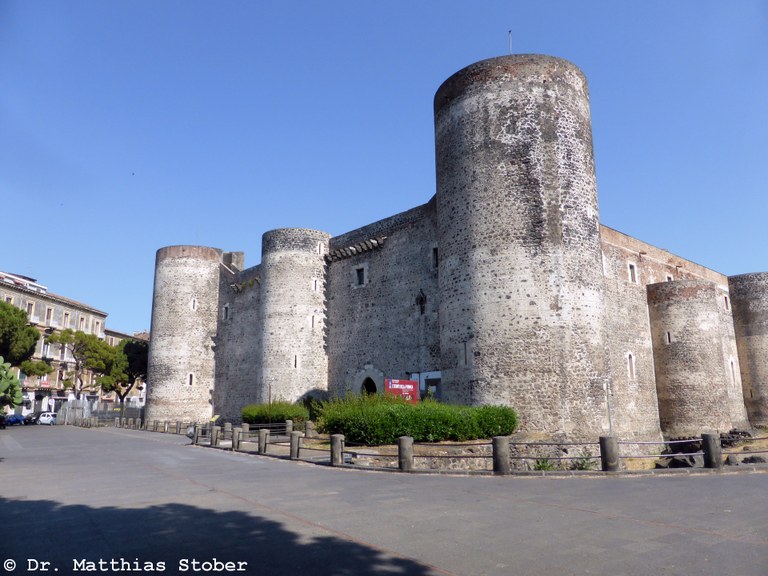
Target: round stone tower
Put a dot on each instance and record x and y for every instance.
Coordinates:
(184, 320)
(520, 276)
(695, 358)
(293, 355)
(749, 297)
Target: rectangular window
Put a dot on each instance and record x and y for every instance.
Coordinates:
(98, 327)
(30, 309)
(360, 276)
(82, 324)
(9, 299)
(48, 316)
(435, 258)
(632, 271)
(65, 324)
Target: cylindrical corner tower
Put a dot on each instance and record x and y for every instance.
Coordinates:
(180, 374)
(749, 296)
(293, 355)
(520, 277)
(695, 358)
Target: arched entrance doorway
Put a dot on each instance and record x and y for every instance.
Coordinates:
(368, 387)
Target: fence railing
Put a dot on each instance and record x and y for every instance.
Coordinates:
(501, 455)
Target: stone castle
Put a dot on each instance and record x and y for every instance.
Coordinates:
(503, 288)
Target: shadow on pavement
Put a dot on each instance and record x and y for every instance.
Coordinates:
(35, 531)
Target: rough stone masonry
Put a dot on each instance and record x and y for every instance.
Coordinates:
(504, 288)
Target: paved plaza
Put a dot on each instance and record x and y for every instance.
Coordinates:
(122, 501)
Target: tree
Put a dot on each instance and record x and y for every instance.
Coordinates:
(88, 353)
(17, 338)
(125, 365)
(10, 388)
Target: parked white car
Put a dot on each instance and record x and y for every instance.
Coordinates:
(47, 418)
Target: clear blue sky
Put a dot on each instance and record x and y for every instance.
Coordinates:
(126, 126)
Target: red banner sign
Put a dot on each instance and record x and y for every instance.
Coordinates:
(407, 389)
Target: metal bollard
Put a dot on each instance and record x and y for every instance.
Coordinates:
(295, 442)
(713, 451)
(609, 454)
(337, 449)
(405, 453)
(263, 440)
(501, 464)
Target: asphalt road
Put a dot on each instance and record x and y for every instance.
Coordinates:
(114, 501)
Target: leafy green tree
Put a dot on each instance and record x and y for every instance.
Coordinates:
(87, 352)
(35, 368)
(17, 338)
(10, 387)
(125, 366)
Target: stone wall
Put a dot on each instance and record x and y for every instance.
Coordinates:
(697, 374)
(383, 302)
(521, 315)
(238, 343)
(293, 357)
(749, 298)
(180, 374)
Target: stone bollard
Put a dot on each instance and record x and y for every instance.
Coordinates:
(178, 427)
(130, 423)
(609, 454)
(288, 427)
(215, 435)
(405, 453)
(196, 435)
(501, 464)
(227, 430)
(154, 425)
(117, 422)
(165, 426)
(713, 451)
(309, 429)
(295, 442)
(236, 435)
(337, 449)
(138, 424)
(263, 440)
(245, 427)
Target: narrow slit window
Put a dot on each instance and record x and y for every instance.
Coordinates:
(669, 337)
(632, 271)
(733, 373)
(191, 379)
(631, 366)
(295, 361)
(669, 278)
(225, 312)
(193, 304)
(727, 304)
(360, 276)
(435, 258)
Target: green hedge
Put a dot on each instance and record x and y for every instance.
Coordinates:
(382, 419)
(278, 411)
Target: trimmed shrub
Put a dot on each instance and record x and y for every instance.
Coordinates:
(278, 411)
(379, 419)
